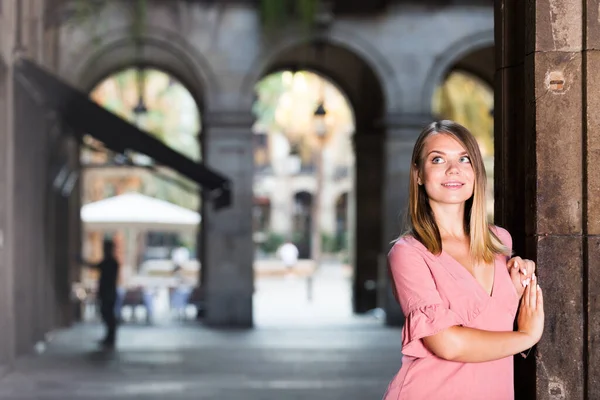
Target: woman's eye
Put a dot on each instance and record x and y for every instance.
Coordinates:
(465, 159)
(437, 160)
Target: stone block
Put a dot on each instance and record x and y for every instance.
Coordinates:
(558, 144)
(593, 288)
(593, 141)
(558, 25)
(559, 356)
(592, 26)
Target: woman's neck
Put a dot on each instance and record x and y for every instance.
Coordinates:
(450, 220)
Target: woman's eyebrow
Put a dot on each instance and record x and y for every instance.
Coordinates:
(464, 153)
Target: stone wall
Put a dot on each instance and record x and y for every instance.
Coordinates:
(36, 223)
(547, 141)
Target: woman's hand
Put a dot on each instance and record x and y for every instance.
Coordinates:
(521, 271)
(531, 313)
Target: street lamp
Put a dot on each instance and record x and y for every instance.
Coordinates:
(140, 111)
(140, 108)
(321, 131)
(319, 122)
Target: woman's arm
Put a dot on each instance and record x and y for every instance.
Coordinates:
(463, 344)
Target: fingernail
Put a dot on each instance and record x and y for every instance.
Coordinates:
(539, 288)
(524, 271)
(533, 276)
(525, 282)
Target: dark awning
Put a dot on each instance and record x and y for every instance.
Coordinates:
(85, 116)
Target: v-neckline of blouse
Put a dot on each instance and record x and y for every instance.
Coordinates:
(474, 280)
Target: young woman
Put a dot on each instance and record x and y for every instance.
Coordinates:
(454, 280)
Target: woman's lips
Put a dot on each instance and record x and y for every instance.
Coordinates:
(453, 185)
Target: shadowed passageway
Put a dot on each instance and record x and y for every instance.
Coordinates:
(351, 361)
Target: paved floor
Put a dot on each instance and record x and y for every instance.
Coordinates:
(352, 361)
(299, 350)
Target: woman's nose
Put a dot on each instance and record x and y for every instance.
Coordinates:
(453, 168)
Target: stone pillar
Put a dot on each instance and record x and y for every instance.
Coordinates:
(369, 184)
(7, 315)
(401, 133)
(228, 247)
(548, 181)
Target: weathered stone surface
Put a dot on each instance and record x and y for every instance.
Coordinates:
(558, 25)
(593, 142)
(593, 310)
(558, 142)
(559, 356)
(592, 18)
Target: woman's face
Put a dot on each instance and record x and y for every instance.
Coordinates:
(446, 172)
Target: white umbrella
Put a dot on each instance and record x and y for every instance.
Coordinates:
(136, 211)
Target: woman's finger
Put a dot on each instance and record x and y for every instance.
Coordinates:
(540, 299)
(526, 295)
(533, 292)
(515, 276)
(530, 268)
(519, 264)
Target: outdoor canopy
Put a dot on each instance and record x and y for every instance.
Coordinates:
(136, 211)
(86, 117)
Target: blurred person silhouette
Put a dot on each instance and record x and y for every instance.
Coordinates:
(107, 292)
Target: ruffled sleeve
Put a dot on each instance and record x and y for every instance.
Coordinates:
(416, 291)
(422, 322)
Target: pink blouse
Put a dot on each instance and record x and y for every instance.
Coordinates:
(435, 293)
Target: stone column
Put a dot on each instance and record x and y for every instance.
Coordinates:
(548, 182)
(369, 184)
(401, 133)
(228, 247)
(7, 315)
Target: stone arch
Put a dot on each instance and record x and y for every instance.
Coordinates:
(161, 49)
(449, 58)
(337, 37)
(371, 91)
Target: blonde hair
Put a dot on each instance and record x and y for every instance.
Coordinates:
(485, 245)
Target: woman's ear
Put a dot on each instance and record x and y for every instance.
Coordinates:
(416, 172)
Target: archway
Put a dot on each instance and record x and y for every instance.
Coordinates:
(362, 86)
(160, 104)
(306, 123)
